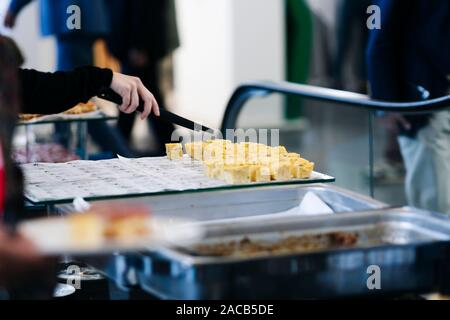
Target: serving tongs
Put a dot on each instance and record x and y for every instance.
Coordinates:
(167, 116)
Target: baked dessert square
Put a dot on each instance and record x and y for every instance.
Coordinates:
(174, 151)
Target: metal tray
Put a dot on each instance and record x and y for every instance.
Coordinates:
(231, 207)
(407, 245)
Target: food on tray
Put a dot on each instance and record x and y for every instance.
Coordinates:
(236, 174)
(280, 170)
(195, 150)
(87, 229)
(260, 173)
(118, 223)
(289, 245)
(28, 117)
(82, 108)
(174, 151)
(245, 162)
(45, 152)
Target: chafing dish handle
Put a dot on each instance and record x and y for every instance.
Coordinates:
(261, 88)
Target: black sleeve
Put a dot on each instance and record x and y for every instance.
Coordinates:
(49, 93)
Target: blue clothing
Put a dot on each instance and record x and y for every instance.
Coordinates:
(54, 16)
(74, 51)
(411, 49)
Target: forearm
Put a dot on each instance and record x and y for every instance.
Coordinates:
(49, 93)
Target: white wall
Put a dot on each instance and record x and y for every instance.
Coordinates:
(39, 52)
(203, 71)
(225, 43)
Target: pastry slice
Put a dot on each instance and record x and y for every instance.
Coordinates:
(236, 174)
(174, 151)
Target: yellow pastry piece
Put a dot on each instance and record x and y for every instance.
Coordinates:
(293, 156)
(280, 170)
(189, 147)
(277, 151)
(214, 169)
(236, 174)
(245, 162)
(260, 173)
(174, 151)
(195, 150)
(216, 150)
(306, 168)
(302, 169)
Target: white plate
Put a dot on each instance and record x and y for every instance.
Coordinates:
(63, 116)
(52, 236)
(63, 290)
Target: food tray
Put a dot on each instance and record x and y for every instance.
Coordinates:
(128, 178)
(230, 206)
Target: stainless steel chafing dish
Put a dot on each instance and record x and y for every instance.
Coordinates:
(210, 207)
(407, 245)
(411, 248)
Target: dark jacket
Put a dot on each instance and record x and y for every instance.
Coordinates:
(49, 93)
(94, 16)
(146, 25)
(411, 49)
(42, 93)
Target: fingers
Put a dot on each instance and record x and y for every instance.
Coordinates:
(130, 97)
(134, 98)
(132, 90)
(126, 100)
(150, 103)
(156, 107)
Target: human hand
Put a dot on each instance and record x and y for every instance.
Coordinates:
(132, 90)
(10, 20)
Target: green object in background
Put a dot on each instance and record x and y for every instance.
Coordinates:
(299, 34)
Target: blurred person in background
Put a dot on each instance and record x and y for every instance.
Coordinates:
(408, 60)
(22, 270)
(352, 38)
(75, 49)
(352, 34)
(147, 33)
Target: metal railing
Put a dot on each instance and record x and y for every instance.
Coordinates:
(249, 90)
